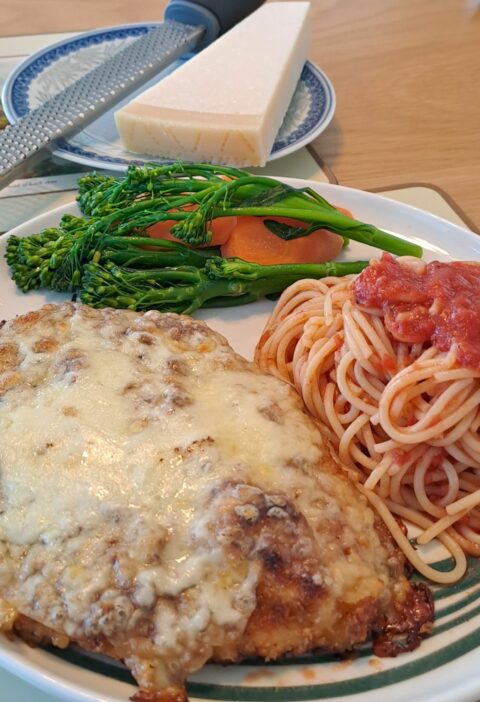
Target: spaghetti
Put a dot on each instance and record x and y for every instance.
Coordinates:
(404, 414)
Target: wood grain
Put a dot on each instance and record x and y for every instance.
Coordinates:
(406, 74)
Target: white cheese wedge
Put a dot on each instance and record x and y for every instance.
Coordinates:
(227, 103)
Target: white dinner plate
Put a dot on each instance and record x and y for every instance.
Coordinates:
(443, 669)
(53, 68)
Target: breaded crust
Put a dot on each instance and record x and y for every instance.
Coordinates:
(166, 503)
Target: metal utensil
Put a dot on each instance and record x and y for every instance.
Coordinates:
(189, 25)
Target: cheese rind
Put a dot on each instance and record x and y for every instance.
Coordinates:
(226, 104)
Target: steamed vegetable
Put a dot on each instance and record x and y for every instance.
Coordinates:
(252, 240)
(221, 229)
(167, 276)
(154, 194)
(183, 289)
(109, 258)
(39, 261)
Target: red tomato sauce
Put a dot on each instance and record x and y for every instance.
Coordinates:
(438, 306)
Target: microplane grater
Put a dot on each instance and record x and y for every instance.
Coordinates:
(92, 95)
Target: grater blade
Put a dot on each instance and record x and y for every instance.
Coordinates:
(89, 97)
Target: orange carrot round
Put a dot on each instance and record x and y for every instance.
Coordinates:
(252, 241)
(344, 211)
(221, 228)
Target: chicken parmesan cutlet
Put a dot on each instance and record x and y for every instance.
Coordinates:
(166, 503)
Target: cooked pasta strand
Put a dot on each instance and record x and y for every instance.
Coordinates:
(405, 416)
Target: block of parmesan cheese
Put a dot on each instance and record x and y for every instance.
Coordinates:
(226, 104)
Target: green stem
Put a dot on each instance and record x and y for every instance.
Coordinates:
(185, 289)
(336, 222)
(238, 269)
(153, 259)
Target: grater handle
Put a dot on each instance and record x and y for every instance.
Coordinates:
(217, 16)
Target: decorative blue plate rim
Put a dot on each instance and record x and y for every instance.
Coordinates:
(15, 95)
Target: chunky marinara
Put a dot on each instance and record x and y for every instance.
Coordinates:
(437, 303)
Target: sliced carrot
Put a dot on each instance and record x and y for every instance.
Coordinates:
(221, 228)
(252, 241)
(344, 211)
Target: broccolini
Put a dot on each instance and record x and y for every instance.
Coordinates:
(107, 257)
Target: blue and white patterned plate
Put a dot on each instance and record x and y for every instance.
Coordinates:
(50, 70)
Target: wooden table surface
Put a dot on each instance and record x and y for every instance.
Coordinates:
(406, 74)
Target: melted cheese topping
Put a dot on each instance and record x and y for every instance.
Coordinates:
(129, 445)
